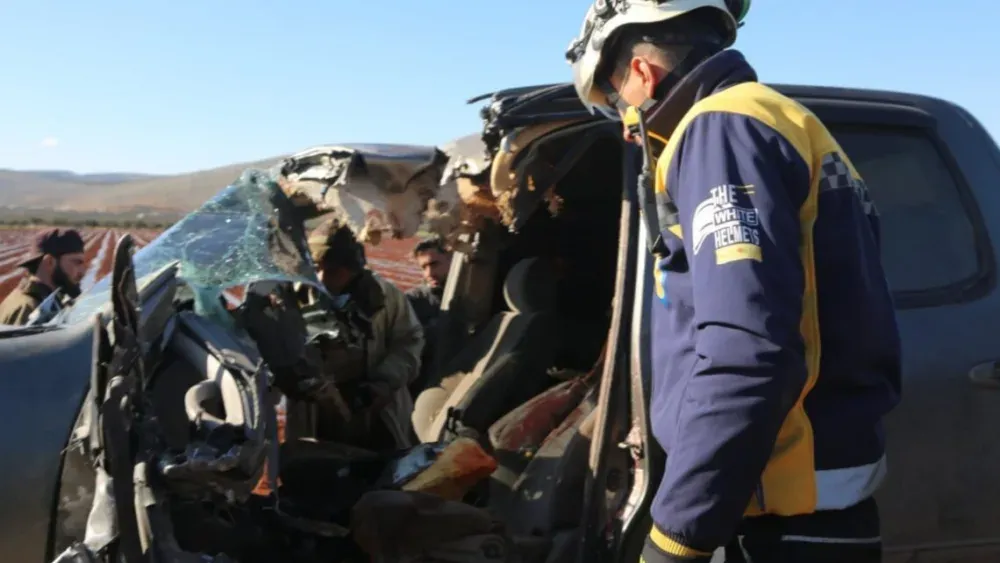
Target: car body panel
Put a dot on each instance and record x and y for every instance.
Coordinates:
(43, 380)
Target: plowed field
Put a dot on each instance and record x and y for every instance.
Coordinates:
(391, 258)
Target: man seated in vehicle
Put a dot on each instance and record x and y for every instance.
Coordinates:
(374, 387)
(56, 263)
(434, 260)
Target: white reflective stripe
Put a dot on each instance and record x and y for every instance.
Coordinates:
(837, 489)
(814, 539)
(743, 549)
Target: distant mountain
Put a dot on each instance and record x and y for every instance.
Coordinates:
(98, 178)
(116, 192)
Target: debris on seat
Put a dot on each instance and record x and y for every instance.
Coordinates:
(458, 468)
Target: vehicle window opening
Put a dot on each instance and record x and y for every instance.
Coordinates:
(551, 302)
(581, 240)
(929, 238)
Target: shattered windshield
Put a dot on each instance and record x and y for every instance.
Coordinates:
(247, 233)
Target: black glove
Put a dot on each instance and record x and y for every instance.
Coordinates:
(300, 382)
(366, 395)
(305, 382)
(276, 325)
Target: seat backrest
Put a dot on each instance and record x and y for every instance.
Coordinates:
(228, 408)
(530, 286)
(517, 347)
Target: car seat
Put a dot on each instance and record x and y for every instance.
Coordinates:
(514, 351)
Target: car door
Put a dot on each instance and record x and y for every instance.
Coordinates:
(933, 174)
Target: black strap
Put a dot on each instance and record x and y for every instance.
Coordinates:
(648, 201)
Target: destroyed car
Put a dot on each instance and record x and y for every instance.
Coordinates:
(156, 400)
(542, 363)
(151, 393)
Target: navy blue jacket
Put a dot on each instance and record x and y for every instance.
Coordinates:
(775, 347)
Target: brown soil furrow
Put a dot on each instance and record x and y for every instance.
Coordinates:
(104, 268)
(14, 259)
(10, 251)
(94, 251)
(391, 259)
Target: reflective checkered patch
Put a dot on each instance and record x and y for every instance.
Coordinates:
(836, 175)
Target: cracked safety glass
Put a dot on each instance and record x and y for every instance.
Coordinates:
(249, 232)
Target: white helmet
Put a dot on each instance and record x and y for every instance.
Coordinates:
(605, 17)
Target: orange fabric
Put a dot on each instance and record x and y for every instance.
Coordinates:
(461, 465)
(262, 488)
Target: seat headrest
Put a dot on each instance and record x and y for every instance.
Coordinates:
(530, 286)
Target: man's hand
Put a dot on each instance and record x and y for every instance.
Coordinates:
(367, 395)
(340, 362)
(275, 323)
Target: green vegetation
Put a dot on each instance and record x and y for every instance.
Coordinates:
(35, 218)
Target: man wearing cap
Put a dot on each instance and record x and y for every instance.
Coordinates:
(56, 263)
(393, 345)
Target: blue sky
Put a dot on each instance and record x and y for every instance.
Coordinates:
(164, 87)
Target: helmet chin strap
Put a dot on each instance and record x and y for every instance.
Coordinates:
(695, 57)
(662, 91)
(647, 191)
(648, 200)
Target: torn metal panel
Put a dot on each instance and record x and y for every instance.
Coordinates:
(467, 156)
(516, 122)
(520, 178)
(464, 204)
(377, 190)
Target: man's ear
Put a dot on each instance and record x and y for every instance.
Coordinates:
(47, 265)
(648, 73)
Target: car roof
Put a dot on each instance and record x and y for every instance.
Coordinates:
(857, 94)
(565, 90)
(373, 150)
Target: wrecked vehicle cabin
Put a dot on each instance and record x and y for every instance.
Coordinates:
(163, 443)
(145, 413)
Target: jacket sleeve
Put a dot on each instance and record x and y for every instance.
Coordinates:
(404, 341)
(17, 315)
(738, 185)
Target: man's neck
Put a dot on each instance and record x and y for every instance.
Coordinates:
(351, 281)
(43, 280)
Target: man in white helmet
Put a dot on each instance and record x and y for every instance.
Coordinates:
(775, 348)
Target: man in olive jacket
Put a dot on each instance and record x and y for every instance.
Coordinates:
(56, 263)
(378, 395)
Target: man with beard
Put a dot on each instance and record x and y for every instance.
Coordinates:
(435, 262)
(57, 263)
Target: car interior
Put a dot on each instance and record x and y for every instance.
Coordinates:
(527, 316)
(521, 349)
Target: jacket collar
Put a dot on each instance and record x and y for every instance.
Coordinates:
(718, 72)
(34, 289)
